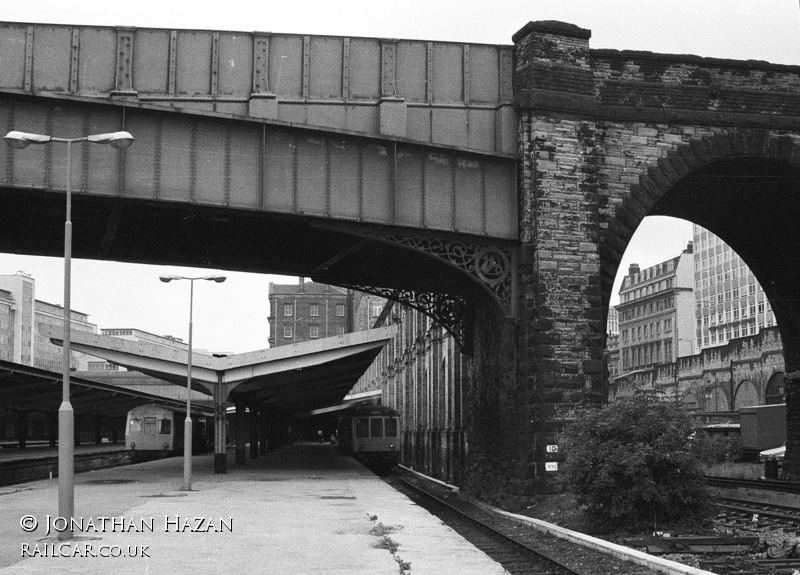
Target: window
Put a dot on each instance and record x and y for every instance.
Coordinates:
(165, 426)
(287, 331)
(287, 310)
(376, 427)
(313, 331)
(362, 427)
(339, 310)
(150, 425)
(390, 426)
(135, 426)
(339, 330)
(314, 310)
(376, 309)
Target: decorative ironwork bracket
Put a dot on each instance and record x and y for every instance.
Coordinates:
(491, 267)
(449, 311)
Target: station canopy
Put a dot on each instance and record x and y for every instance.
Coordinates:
(295, 379)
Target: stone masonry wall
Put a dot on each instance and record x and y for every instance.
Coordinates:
(603, 135)
(753, 359)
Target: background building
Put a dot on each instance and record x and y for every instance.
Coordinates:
(729, 302)
(656, 319)
(308, 310)
(20, 316)
(133, 334)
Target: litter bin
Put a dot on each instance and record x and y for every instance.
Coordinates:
(771, 468)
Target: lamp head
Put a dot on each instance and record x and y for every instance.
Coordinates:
(167, 279)
(19, 140)
(118, 140)
(218, 279)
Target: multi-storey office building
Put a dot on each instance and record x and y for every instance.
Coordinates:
(308, 310)
(20, 316)
(133, 334)
(729, 302)
(656, 319)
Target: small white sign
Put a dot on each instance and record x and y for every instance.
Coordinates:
(551, 466)
(552, 449)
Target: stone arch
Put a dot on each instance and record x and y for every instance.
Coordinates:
(775, 155)
(715, 399)
(746, 395)
(775, 392)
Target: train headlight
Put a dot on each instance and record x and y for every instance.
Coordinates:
(166, 445)
(391, 446)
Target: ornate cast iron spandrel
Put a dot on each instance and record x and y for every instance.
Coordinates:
(490, 266)
(447, 310)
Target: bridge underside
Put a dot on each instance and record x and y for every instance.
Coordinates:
(179, 234)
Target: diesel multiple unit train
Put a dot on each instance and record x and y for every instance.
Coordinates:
(371, 434)
(153, 432)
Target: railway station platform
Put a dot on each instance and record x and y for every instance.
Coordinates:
(303, 509)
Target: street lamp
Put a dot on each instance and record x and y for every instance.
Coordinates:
(187, 423)
(66, 416)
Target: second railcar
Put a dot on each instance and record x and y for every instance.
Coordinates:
(371, 434)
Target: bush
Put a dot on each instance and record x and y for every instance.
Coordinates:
(632, 466)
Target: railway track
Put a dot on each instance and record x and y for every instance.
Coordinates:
(764, 515)
(729, 482)
(519, 550)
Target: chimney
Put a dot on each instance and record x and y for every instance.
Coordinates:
(633, 269)
(301, 285)
(689, 248)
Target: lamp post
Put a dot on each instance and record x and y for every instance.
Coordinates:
(187, 424)
(66, 416)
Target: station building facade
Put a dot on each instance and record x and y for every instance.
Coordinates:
(422, 373)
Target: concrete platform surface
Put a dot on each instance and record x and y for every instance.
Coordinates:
(303, 509)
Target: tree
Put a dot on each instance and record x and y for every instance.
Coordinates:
(632, 465)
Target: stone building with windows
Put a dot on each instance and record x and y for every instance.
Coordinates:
(308, 310)
(656, 317)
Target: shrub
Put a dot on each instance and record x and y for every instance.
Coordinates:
(632, 465)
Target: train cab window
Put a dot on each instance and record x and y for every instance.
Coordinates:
(376, 427)
(165, 426)
(135, 426)
(150, 425)
(362, 427)
(390, 426)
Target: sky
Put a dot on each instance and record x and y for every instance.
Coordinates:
(232, 316)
